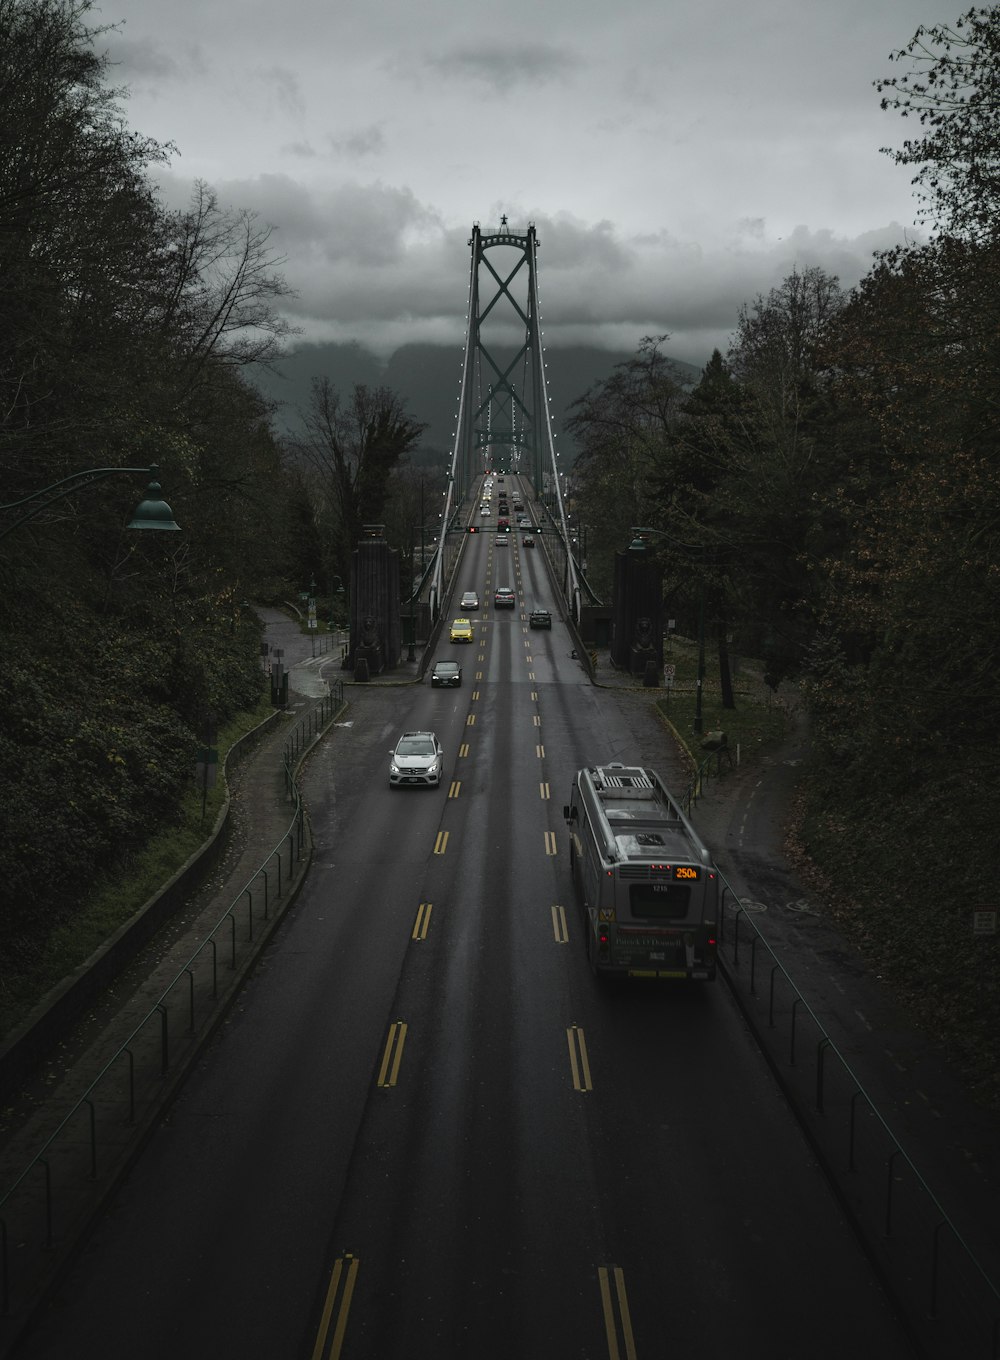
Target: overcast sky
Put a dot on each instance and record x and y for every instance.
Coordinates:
(677, 159)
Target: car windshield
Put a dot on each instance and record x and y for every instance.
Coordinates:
(415, 746)
(446, 667)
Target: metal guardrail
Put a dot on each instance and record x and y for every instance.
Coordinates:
(931, 1272)
(696, 784)
(41, 1211)
(305, 732)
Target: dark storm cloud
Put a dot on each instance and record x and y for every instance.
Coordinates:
(146, 61)
(354, 224)
(371, 262)
(502, 66)
(365, 141)
(664, 153)
(282, 84)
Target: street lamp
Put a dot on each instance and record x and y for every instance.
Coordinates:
(639, 544)
(151, 513)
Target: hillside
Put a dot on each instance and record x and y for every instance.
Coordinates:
(427, 377)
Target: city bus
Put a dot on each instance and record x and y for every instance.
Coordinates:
(647, 887)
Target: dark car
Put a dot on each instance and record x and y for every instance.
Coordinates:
(446, 673)
(539, 618)
(504, 598)
(528, 541)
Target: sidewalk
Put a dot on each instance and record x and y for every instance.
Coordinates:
(92, 1149)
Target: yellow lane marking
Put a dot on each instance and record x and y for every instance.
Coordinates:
(441, 844)
(536, 721)
(531, 674)
(481, 657)
(422, 923)
(456, 785)
(527, 642)
(470, 720)
(393, 1054)
(463, 750)
(550, 843)
(578, 1061)
(559, 928)
(479, 674)
(475, 695)
(543, 790)
(622, 1324)
(534, 696)
(540, 752)
(343, 1307)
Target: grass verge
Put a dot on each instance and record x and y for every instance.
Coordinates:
(759, 717)
(122, 891)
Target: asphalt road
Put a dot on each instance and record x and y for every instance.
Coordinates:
(427, 1130)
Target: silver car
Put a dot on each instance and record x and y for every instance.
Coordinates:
(417, 759)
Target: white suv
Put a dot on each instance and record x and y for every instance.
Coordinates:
(417, 759)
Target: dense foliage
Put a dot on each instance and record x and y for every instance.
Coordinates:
(831, 485)
(124, 334)
(355, 449)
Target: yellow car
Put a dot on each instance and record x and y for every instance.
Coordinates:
(461, 630)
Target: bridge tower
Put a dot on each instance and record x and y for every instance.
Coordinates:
(504, 420)
(506, 390)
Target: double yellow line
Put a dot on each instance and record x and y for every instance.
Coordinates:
(337, 1305)
(617, 1319)
(393, 1054)
(345, 1272)
(578, 1060)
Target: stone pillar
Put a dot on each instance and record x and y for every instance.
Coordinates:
(376, 634)
(638, 613)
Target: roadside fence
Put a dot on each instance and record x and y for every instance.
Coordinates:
(939, 1285)
(44, 1210)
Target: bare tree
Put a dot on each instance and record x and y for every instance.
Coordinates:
(223, 286)
(951, 87)
(355, 445)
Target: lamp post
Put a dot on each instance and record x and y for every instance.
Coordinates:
(150, 513)
(411, 653)
(639, 544)
(411, 649)
(311, 613)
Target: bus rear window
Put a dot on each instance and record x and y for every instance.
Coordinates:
(659, 901)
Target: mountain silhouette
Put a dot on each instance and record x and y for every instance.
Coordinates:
(428, 379)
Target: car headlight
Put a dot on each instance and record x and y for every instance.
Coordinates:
(393, 767)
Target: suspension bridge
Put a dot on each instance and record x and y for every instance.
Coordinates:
(504, 419)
